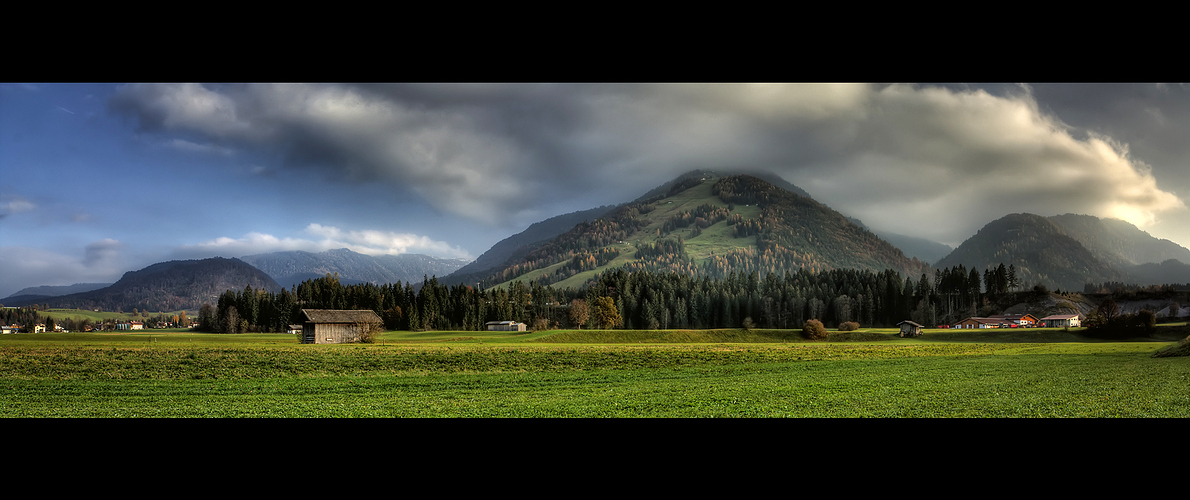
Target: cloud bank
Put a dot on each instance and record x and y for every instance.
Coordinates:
(369, 242)
(929, 161)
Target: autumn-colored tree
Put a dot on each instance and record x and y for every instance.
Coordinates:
(606, 314)
(578, 313)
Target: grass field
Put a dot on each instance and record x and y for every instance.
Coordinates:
(722, 373)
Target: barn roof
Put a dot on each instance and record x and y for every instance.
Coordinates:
(341, 316)
(911, 323)
(984, 321)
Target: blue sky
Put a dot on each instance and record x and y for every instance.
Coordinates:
(100, 179)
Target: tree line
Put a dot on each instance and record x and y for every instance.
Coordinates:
(620, 298)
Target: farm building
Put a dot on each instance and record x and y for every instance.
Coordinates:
(1019, 319)
(505, 326)
(910, 329)
(294, 329)
(331, 326)
(1061, 320)
(980, 323)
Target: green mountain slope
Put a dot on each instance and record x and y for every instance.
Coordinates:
(706, 225)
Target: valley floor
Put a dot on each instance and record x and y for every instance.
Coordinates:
(499, 374)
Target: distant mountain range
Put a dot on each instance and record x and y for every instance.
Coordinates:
(166, 286)
(291, 268)
(702, 223)
(1068, 251)
(34, 294)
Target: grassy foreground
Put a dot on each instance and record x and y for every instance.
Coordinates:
(500, 374)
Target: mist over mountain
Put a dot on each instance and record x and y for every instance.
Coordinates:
(1118, 242)
(919, 248)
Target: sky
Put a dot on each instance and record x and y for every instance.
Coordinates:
(100, 179)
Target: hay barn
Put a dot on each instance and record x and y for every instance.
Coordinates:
(331, 326)
(506, 326)
(910, 329)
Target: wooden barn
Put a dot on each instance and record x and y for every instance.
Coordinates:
(910, 329)
(505, 326)
(331, 326)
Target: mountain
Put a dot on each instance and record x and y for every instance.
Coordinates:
(520, 244)
(704, 224)
(1068, 251)
(55, 291)
(1040, 250)
(292, 268)
(919, 248)
(1118, 242)
(1169, 272)
(170, 286)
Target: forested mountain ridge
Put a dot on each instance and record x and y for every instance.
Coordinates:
(1069, 251)
(1118, 242)
(518, 245)
(293, 267)
(703, 225)
(1040, 251)
(170, 286)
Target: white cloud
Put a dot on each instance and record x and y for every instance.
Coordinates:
(370, 242)
(941, 163)
(15, 205)
(923, 160)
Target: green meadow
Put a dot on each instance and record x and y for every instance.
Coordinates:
(668, 373)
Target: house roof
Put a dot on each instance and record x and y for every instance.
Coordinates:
(1012, 316)
(910, 323)
(1060, 316)
(985, 321)
(341, 316)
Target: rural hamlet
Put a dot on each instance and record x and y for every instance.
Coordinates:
(331, 326)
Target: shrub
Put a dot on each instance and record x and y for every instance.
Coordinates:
(369, 333)
(814, 330)
(848, 326)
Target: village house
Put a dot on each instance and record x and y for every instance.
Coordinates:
(1021, 320)
(1061, 321)
(910, 329)
(294, 329)
(332, 326)
(505, 326)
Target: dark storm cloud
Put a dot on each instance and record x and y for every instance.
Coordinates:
(901, 157)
